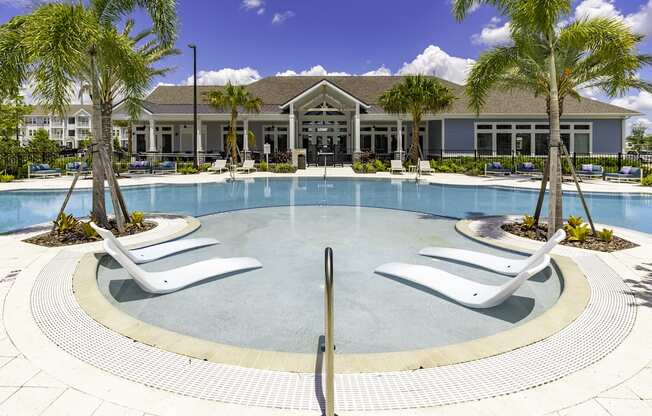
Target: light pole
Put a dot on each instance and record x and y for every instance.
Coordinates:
(194, 102)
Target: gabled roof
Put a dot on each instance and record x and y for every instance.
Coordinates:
(279, 90)
(325, 83)
(39, 110)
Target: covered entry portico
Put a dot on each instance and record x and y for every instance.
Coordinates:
(326, 119)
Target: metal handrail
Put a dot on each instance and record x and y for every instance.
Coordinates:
(328, 332)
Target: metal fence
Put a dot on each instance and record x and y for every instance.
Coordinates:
(17, 163)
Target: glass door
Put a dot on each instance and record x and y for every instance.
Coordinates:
(504, 143)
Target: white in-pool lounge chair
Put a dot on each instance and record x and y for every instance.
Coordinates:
(247, 166)
(172, 280)
(396, 166)
(510, 267)
(155, 252)
(463, 291)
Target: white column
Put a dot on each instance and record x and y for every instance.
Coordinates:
(399, 138)
(443, 134)
(200, 144)
(245, 137)
(292, 129)
(152, 136)
(134, 142)
(356, 129)
(623, 143)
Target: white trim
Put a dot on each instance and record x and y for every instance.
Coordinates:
(321, 83)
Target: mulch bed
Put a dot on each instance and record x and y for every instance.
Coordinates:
(53, 239)
(592, 242)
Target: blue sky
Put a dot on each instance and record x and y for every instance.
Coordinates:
(243, 40)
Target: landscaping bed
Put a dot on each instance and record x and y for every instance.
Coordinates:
(68, 231)
(603, 241)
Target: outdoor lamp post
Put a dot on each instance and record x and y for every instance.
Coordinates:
(194, 103)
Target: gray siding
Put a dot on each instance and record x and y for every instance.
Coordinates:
(434, 136)
(459, 135)
(607, 136)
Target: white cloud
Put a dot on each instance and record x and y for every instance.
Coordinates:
(642, 101)
(27, 92)
(381, 71)
(238, 76)
(260, 11)
(493, 34)
(316, 70)
(640, 21)
(252, 4)
(282, 17)
(434, 61)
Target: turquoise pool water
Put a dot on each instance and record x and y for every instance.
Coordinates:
(20, 209)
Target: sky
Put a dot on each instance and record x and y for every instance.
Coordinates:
(244, 40)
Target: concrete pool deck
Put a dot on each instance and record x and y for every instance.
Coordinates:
(38, 377)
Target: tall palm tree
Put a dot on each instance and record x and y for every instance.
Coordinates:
(234, 98)
(553, 60)
(59, 45)
(417, 95)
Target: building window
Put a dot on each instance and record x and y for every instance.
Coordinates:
(276, 137)
(71, 120)
(71, 133)
(525, 140)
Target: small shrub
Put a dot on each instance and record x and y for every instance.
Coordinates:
(369, 168)
(65, 223)
(284, 168)
(263, 166)
(188, 170)
(89, 232)
(579, 233)
(204, 167)
(137, 219)
(647, 181)
(379, 166)
(6, 178)
(358, 167)
(606, 235)
(528, 222)
(475, 172)
(575, 221)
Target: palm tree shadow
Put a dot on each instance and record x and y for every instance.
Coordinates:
(513, 310)
(642, 289)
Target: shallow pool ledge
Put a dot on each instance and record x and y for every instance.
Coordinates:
(572, 302)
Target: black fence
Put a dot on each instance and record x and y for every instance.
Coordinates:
(17, 163)
(611, 162)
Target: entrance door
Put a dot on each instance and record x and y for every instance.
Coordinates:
(140, 143)
(167, 142)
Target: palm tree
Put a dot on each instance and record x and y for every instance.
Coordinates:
(553, 60)
(60, 45)
(234, 98)
(417, 95)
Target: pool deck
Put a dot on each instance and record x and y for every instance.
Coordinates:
(513, 181)
(40, 377)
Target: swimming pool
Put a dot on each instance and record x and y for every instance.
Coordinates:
(20, 209)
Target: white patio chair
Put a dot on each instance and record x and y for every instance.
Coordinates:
(247, 166)
(155, 252)
(218, 166)
(498, 264)
(424, 167)
(172, 280)
(396, 166)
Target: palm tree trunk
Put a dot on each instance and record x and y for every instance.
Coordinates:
(415, 149)
(119, 206)
(555, 209)
(233, 138)
(99, 203)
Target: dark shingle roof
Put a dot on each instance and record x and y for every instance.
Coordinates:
(39, 110)
(275, 91)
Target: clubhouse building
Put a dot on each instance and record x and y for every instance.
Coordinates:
(341, 115)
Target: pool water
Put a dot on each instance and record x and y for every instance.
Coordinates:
(20, 209)
(280, 307)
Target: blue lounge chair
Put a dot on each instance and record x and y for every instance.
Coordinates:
(165, 167)
(42, 171)
(627, 173)
(589, 171)
(496, 168)
(527, 168)
(73, 168)
(140, 167)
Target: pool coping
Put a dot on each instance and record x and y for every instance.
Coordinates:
(571, 303)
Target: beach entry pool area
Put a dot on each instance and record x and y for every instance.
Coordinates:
(280, 307)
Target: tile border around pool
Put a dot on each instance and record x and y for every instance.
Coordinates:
(572, 302)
